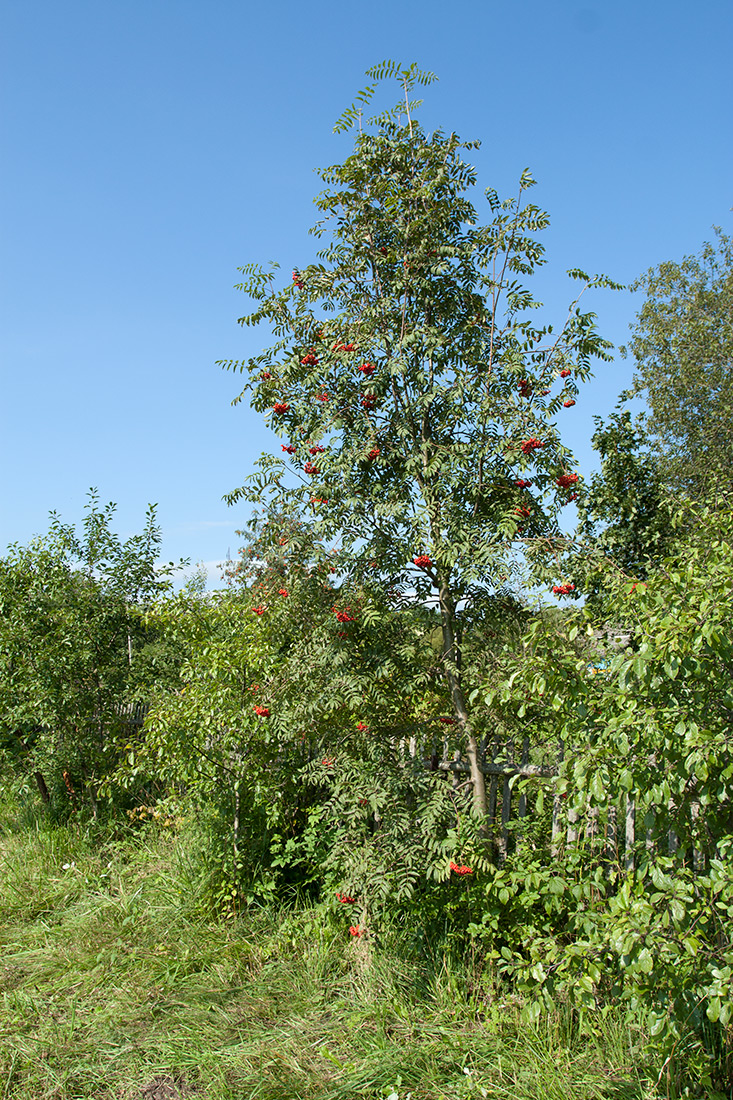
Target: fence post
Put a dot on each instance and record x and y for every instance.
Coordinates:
(697, 861)
(572, 822)
(630, 831)
(557, 808)
(522, 800)
(506, 804)
(612, 833)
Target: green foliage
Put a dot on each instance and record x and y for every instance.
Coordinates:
(625, 515)
(76, 650)
(627, 497)
(649, 734)
(682, 345)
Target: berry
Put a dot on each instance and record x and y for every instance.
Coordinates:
(280, 408)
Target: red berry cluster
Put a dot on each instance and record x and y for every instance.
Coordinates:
(565, 373)
(288, 448)
(354, 930)
(283, 592)
(566, 480)
(422, 561)
(525, 388)
(374, 453)
(523, 510)
(367, 369)
(310, 359)
(460, 870)
(297, 279)
(317, 450)
(522, 483)
(531, 444)
(322, 396)
(447, 721)
(318, 500)
(262, 712)
(265, 375)
(369, 400)
(568, 404)
(344, 347)
(562, 589)
(280, 408)
(309, 468)
(327, 761)
(346, 899)
(362, 726)
(259, 610)
(343, 616)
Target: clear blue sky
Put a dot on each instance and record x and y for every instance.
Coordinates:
(152, 146)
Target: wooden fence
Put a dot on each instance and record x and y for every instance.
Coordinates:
(618, 828)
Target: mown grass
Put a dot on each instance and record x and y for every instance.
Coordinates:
(111, 980)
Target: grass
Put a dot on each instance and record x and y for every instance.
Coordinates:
(113, 985)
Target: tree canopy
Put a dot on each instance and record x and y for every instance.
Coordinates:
(682, 344)
(416, 392)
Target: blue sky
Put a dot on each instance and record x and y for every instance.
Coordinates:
(152, 147)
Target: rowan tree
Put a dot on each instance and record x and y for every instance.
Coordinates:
(414, 389)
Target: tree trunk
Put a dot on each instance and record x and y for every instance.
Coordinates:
(42, 788)
(451, 666)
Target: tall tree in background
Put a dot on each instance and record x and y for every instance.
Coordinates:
(623, 509)
(683, 347)
(415, 392)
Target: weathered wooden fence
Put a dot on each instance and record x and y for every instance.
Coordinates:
(619, 827)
